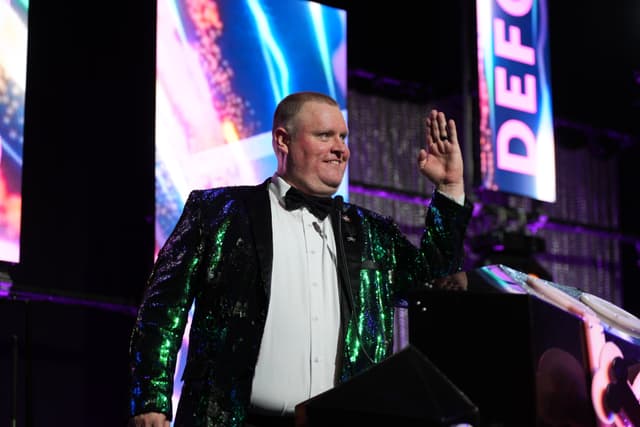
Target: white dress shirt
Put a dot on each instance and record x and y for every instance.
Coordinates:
(297, 358)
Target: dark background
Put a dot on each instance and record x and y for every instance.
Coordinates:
(88, 186)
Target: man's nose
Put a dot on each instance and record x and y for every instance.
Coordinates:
(340, 146)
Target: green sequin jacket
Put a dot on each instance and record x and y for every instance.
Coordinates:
(219, 257)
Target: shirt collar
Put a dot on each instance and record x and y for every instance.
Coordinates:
(279, 187)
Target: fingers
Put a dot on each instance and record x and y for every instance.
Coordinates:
(439, 130)
(442, 127)
(453, 132)
(432, 136)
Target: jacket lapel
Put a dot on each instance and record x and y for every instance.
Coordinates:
(348, 231)
(258, 209)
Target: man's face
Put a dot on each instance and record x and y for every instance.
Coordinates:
(317, 152)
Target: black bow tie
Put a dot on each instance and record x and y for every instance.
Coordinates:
(319, 206)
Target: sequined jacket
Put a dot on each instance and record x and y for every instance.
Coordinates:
(219, 257)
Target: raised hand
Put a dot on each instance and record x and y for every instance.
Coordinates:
(441, 160)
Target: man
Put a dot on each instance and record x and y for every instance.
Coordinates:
(288, 301)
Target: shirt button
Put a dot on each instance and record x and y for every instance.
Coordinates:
(316, 359)
(314, 284)
(315, 318)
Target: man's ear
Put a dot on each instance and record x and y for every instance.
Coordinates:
(282, 140)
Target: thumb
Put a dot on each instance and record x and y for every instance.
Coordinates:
(422, 156)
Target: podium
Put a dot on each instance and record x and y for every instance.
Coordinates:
(404, 390)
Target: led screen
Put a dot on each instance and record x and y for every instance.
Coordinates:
(222, 66)
(517, 149)
(13, 76)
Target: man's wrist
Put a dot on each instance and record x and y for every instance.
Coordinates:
(453, 191)
(459, 199)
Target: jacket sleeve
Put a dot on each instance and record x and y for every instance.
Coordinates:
(441, 249)
(442, 242)
(162, 316)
